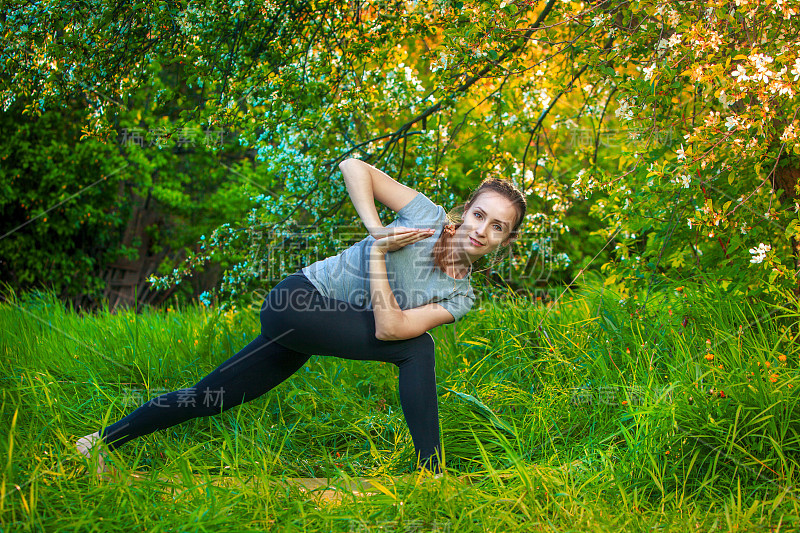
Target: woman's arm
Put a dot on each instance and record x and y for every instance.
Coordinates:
(365, 184)
(391, 322)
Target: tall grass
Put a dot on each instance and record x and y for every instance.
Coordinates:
(670, 410)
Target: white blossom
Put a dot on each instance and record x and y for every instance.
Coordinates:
(661, 47)
(598, 20)
(789, 133)
(740, 74)
(544, 98)
(759, 253)
(684, 180)
(528, 179)
(759, 60)
(624, 111)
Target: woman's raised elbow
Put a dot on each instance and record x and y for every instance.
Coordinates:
(347, 163)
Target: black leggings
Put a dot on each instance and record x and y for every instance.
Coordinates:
(296, 323)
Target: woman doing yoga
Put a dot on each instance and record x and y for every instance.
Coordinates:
(374, 301)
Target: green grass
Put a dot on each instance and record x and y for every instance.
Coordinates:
(592, 415)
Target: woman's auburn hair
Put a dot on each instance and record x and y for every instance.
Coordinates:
(501, 186)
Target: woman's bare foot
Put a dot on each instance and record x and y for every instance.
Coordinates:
(96, 458)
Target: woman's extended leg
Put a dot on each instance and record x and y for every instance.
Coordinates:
(298, 317)
(297, 322)
(254, 370)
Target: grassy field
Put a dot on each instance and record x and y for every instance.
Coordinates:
(673, 411)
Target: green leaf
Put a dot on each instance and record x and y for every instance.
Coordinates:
(484, 410)
(792, 229)
(607, 70)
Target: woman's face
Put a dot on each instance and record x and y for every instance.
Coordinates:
(486, 225)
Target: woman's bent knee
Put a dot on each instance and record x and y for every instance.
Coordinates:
(419, 350)
(426, 344)
(431, 341)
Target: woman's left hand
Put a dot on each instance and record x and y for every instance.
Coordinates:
(399, 238)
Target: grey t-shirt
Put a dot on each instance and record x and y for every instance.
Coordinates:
(414, 278)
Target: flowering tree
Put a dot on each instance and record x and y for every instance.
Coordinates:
(671, 123)
(722, 78)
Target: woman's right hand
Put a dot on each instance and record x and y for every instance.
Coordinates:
(398, 237)
(381, 232)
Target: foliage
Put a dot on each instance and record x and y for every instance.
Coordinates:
(297, 85)
(672, 123)
(66, 201)
(70, 189)
(720, 79)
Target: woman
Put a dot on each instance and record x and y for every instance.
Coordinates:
(375, 301)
